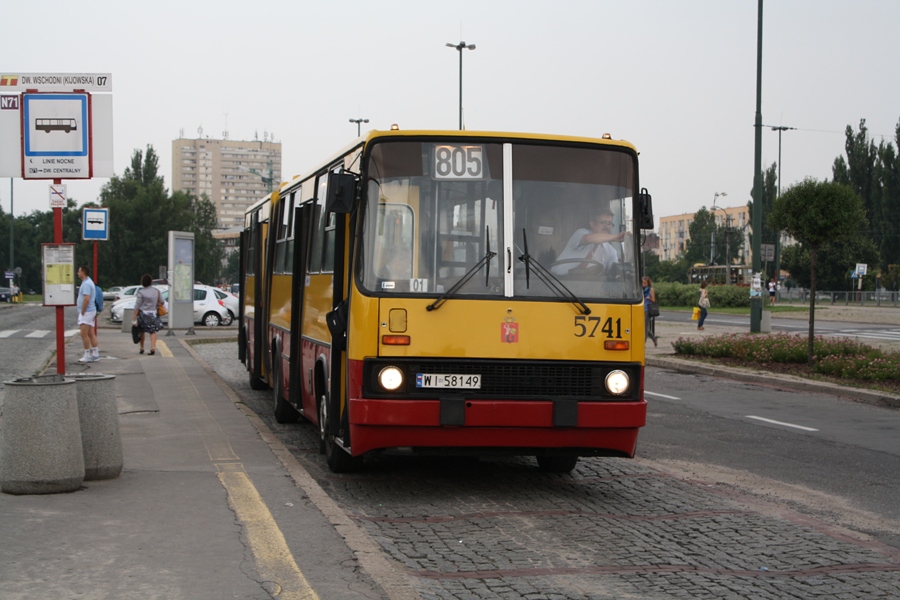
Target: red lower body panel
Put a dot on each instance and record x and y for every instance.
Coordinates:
(602, 426)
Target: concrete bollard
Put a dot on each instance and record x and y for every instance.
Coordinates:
(99, 418)
(765, 325)
(40, 437)
(126, 319)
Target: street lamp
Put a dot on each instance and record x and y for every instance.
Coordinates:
(712, 234)
(358, 122)
(779, 129)
(460, 47)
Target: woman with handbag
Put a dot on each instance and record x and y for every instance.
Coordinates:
(703, 303)
(147, 302)
(651, 310)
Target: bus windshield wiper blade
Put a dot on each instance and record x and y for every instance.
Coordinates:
(486, 259)
(549, 279)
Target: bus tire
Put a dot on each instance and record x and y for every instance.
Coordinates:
(557, 464)
(339, 461)
(284, 412)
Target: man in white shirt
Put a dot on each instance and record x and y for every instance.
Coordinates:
(587, 247)
(87, 312)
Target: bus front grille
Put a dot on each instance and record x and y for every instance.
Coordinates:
(504, 379)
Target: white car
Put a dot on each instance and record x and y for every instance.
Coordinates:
(230, 302)
(208, 309)
(125, 292)
(109, 295)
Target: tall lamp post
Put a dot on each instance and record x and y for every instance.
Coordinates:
(779, 129)
(459, 47)
(712, 234)
(358, 122)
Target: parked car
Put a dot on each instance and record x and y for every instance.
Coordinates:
(109, 295)
(127, 302)
(208, 310)
(230, 302)
(131, 290)
(5, 294)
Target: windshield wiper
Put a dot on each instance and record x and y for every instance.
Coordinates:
(485, 260)
(549, 279)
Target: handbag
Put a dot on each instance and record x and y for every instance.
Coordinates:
(652, 309)
(696, 315)
(161, 307)
(704, 302)
(135, 334)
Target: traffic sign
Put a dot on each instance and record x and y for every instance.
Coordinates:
(96, 224)
(58, 195)
(55, 136)
(861, 268)
(767, 251)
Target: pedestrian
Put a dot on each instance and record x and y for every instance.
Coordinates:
(87, 313)
(703, 303)
(145, 316)
(649, 321)
(773, 287)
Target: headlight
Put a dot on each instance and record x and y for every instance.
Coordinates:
(617, 382)
(390, 378)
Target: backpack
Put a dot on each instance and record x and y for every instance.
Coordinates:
(98, 299)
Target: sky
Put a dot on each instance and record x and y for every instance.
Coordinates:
(676, 79)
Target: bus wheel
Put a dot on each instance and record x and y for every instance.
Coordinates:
(557, 464)
(284, 412)
(338, 460)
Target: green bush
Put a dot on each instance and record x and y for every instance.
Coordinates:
(837, 357)
(682, 294)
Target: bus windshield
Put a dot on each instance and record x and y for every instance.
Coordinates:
(541, 217)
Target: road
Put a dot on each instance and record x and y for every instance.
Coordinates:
(717, 504)
(28, 338)
(840, 458)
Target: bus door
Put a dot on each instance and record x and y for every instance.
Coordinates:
(257, 341)
(242, 278)
(304, 218)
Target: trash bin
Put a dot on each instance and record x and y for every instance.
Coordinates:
(40, 437)
(99, 418)
(126, 320)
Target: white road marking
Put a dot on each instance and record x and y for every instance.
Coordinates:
(38, 333)
(71, 332)
(781, 423)
(9, 332)
(646, 393)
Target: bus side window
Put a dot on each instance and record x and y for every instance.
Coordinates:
(318, 242)
(289, 243)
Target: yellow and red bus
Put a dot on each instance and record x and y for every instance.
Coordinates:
(418, 293)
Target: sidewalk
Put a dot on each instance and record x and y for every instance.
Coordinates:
(206, 506)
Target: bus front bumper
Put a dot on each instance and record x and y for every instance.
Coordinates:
(594, 428)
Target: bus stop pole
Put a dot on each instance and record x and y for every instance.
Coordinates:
(96, 281)
(60, 316)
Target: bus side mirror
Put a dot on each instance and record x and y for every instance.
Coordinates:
(341, 192)
(645, 206)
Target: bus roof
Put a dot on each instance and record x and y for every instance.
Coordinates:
(375, 134)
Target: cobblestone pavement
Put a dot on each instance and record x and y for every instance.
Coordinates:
(614, 528)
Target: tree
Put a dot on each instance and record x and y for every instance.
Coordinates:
(769, 192)
(873, 172)
(143, 213)
(816, 213)
(231, 270)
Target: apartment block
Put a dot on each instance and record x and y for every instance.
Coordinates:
(233, 174)
(674, 232)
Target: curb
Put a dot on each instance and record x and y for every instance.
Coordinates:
(873, 397)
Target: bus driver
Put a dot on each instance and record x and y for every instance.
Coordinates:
(588, 247)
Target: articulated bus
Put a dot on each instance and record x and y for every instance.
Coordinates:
(431, 292)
